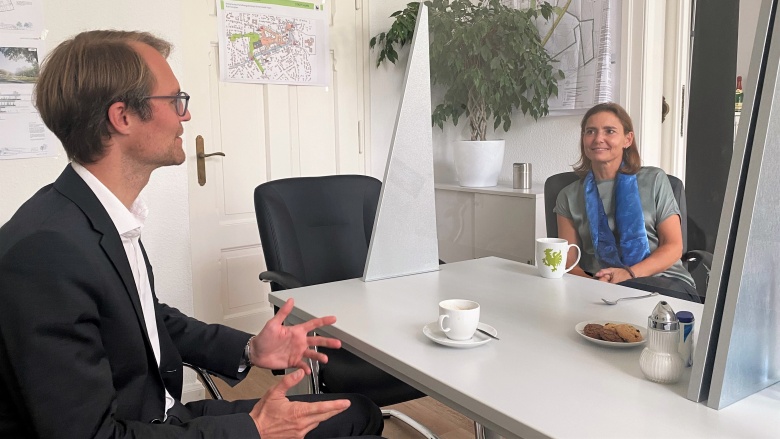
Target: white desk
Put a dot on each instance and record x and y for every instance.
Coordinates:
(541, 379)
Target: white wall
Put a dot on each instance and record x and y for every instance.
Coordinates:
(748, 18)
(551, 145)
(166, 236)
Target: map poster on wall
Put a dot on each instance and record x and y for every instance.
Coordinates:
(583, 37)
(273, 42)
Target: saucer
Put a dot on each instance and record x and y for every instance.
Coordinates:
(432, 331)
(613, 344)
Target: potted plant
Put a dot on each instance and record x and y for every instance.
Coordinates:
(490, 60)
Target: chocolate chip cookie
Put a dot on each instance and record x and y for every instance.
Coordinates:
(628, 333)
(593, 330)
(609, 333)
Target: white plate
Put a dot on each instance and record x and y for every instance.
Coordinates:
(613, 344)
(432, 331)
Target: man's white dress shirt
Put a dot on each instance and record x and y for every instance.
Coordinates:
(129, 224)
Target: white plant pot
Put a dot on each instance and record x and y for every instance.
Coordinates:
(478, 162)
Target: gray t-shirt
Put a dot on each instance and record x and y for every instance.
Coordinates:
(658, 204)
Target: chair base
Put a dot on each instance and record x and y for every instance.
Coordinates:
(423, 430)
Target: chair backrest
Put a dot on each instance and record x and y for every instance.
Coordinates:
(554, 184)
(679, 194)
(317, 228)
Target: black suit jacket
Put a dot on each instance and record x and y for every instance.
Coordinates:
(75, 357)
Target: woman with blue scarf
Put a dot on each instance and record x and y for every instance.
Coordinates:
(623, 216)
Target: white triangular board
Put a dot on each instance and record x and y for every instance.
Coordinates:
(404, 239)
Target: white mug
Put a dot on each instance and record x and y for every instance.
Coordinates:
(551, 257)
(458, 318)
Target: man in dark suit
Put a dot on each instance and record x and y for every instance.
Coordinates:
(86, 349)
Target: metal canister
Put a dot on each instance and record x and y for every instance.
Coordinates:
(521, 176)
(686, 337)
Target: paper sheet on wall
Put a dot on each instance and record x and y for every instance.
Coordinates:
(273, 42)
(586, 43)
(24, 134)
(21, 18)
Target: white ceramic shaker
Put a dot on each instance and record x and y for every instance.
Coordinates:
(660, 360)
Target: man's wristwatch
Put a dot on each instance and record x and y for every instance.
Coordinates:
(248, 352)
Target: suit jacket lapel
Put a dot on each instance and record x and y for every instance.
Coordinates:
(170, 361)
(74, 188)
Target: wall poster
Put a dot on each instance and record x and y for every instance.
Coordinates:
(273, 42)
(584, 37)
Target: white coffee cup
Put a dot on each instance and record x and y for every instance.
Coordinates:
(551, 257)
(458, 318)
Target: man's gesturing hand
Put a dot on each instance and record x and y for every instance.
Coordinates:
(279, 347)
(277, 417)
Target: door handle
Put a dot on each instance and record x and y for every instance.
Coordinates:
(201, 162)
(203, 156)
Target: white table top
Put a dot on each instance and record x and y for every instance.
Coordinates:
(542, 379)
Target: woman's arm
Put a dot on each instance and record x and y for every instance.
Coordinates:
(668, 252)
(567, 231)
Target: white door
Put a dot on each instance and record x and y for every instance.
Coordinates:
(266, 132)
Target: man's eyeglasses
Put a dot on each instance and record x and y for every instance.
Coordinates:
(182, 100)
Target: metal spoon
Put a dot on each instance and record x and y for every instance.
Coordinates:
(487, 333)
(614, 302)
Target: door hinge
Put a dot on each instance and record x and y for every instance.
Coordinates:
(358, 5)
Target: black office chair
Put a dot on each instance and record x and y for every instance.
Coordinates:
(697, 262)
(316, 230)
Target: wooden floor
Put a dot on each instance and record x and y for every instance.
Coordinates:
(442, 420)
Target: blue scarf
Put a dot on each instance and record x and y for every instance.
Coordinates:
(629, 222)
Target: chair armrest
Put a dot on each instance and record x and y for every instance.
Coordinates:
(205, 378)
(281, 278)
(696, 257)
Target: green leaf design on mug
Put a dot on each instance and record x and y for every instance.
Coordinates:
(552, 259)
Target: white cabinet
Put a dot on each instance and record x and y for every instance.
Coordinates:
(495, 221)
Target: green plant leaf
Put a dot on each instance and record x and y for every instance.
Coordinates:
(489, 59)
